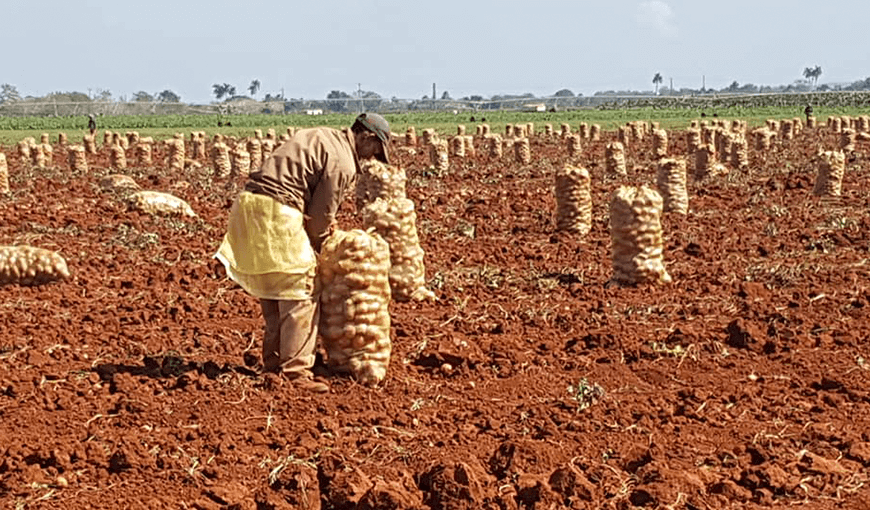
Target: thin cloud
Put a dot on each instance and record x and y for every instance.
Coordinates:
(658, 16)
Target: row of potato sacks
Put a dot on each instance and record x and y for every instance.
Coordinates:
(360, 271)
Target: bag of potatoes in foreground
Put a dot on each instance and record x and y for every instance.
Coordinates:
(354, 318)
(26, 265)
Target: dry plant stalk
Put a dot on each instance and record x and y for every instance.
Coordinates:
(355, 319)
(118, 158)
(614, 159)
(396, 221)
(438, 156)
(573, 200)
(636, 236)
(78, 161)
(27, 265)
(671, 183)
(4, 174)
(155, 202)
(220, 160)
(378, 180)
(829, 180)
(573, 144)
(522, 151)
(660, 143)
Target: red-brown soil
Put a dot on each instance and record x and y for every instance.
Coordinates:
(743, 384)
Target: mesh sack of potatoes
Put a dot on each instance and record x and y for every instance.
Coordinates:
(530, 129)
(143, 154)
(118, 158)
(470, 151)
(704, 160)
(637, 130)
(44, 138)
(847, 140)
(411, 136)
(438, 155)
(132, 137)
(723, 150)
(4, 174)
(660, 143)
(836, 124)
(636, 236)
(27, 265)
(522, 151)
(62, 138)
(509, 131)
(584, 131)
(37, 156)
(396, 221)
(485, 129)
(862, 125)
(787, 129)
(565, 129)
(78, 161)
(270, 134)
(197, 144)
(829, 179)
(863, 137)
(457, 146)
(429, 136)
(798, 125)
(220, 160)
(614, 159)
(460, 129)
(572, 143)
(48, 150)
(594, 132)
(671, 183)
(156, 202)
(495, 146)
(176, 154)
(255, 149)
(548, 130)
(478, 130)
(268, 147)
(89, 143)
(739, 153)
(573, 200)
(708, 136)
(240, 161)
(354, 316)
(812, 122)
(693, 140)
(378, 180)
(623, 135)
(107, 138)
(118, 182)
(120, 140)
(763, 137)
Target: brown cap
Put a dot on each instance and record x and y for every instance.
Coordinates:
(379, 126)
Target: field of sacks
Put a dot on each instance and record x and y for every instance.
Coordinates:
(734, 375)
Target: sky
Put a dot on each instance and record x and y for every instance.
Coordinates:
(400, 48)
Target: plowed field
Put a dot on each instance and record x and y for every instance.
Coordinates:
(530, 383)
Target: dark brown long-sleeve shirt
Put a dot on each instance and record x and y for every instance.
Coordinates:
(310, 172)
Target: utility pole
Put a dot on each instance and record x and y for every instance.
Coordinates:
(433, 92)
(672, 86)
(703, 83)
(359, 96)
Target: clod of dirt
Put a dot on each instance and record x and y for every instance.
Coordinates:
(294, 486)
(456, 486)
(745, 335)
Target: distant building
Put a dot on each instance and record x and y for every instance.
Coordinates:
(314, 112)
(535, 107)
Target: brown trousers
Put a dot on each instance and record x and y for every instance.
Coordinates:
(291, 336)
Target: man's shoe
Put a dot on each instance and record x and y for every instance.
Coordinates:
(310, 385)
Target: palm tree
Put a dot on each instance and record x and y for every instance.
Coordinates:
(219, 90)
(254, 87)
(656, 80)
(813, 73)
